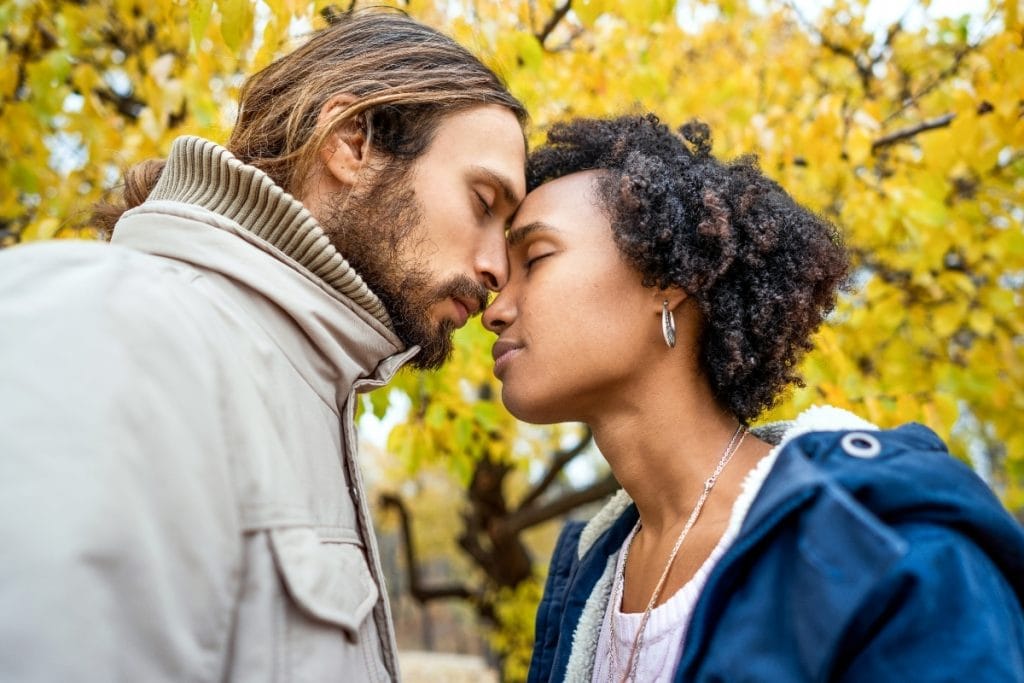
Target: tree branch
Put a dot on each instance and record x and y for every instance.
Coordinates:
(419, 592)
(941, 77)
(863, 63)
(553, 22)
(863, 69)
(930, 124)
(910, 132)
(127, 106)
(332, 14)
(532, 516)
(558, 463)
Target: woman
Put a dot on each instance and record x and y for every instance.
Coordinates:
(664, 297)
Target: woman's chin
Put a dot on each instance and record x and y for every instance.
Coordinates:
(534, 409)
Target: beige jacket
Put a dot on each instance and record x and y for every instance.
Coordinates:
(179, 493)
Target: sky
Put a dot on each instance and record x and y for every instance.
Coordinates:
(880, 14)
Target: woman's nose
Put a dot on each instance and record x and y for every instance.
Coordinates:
(498, 315)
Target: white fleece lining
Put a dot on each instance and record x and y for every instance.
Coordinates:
(603, 520)
(584, 638)
(588, 629)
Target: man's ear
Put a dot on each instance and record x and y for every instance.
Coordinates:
(346, 150)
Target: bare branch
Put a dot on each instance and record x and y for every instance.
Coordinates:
(127, 106)
(558, 463)
(931, 124)
(553, 22)
(862, 66)
(419, 592)
(532, 516)
(332, 14)
(567, 44)
(911, 131)
(939, 79)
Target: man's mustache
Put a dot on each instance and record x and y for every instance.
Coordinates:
(461, 286)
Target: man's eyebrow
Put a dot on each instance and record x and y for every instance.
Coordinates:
(516, 236)
(503, 183)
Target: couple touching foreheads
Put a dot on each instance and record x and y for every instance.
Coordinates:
(180, 498)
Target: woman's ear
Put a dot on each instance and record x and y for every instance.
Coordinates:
(346, 150)
(680, 317)
(675, 296)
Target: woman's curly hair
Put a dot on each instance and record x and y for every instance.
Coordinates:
(763, 269)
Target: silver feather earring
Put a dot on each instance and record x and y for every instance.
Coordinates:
(668, 325)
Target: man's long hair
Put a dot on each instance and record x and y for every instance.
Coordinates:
(405, 77)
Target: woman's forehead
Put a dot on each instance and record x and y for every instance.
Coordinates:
(559, 203)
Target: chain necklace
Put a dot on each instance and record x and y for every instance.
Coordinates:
(619, 585)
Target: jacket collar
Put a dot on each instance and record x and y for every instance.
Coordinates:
(202, 173)
(779, 434)
(322, 317)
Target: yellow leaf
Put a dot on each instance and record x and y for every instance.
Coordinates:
(947, 318)
(41, 230)
(981, 321)
(529, 50)
(589, 10)
(236, 21)
(199, 18)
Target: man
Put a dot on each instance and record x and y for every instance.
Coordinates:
(179, 494)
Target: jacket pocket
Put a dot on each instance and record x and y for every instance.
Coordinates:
(329, 582)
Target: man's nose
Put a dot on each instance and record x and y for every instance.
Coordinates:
(492, 262)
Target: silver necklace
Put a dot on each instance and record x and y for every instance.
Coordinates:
(619, 584)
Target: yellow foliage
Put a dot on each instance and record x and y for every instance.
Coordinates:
(514, 640)
(912, 143)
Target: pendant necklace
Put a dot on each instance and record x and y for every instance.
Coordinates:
(618, 586)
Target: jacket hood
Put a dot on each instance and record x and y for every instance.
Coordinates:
(931, 487)
(228, 219)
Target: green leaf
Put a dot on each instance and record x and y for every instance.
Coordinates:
(235, 22)
(198, 19)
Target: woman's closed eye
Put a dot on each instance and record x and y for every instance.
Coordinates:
(533, 259)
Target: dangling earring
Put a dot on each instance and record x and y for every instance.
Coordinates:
(668, 325)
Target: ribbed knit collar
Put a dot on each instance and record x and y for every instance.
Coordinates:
(204, 174)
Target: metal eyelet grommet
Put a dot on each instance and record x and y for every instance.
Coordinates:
(860, 445)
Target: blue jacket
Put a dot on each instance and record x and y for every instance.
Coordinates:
(902, 566)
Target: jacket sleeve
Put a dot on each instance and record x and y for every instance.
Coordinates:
(948, 614)
(117, 520)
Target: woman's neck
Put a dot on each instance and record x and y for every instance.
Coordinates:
(663, 446)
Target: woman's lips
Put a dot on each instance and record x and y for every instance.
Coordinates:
(503, 352)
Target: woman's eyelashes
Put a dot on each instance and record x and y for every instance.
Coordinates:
(532, 260)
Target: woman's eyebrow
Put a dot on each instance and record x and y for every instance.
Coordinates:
(516, 236)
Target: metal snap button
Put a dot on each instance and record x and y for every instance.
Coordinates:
(860, 445)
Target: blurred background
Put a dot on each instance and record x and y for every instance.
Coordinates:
(899, 120)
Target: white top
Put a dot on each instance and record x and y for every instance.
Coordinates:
(666, 627)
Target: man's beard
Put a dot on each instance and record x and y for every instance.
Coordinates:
(372, 229)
